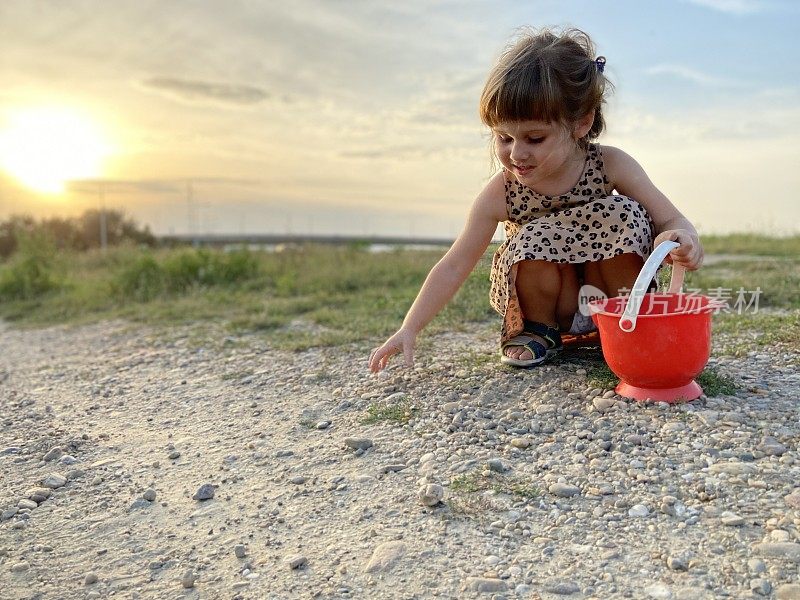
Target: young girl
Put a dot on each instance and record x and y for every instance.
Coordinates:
(574, 212)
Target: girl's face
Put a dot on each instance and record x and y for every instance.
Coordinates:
(536, 152)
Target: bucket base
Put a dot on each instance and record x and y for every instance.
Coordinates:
(684, 393)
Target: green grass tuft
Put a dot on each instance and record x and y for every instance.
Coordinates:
(400, 413)
(715, 383)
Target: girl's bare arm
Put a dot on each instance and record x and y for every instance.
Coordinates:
(629, 178)
(447, 276)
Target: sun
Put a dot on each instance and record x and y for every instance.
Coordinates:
(44, 147)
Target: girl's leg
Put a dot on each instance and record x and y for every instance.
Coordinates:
(614, 274)
(547, 293)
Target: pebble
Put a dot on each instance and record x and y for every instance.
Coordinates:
(677, 563)
(295, 561)
(240, 551)
(54, 481)
(787, 550)
(204, 492)
(431, 494)
(358, 443)
(385, 556)
(730, 519)
(521, 443)
(564, 490)
(53, 454)
(562, 588)
(39, 494)
(638, 510)
(188, 579)
(297, 479)
(90, 579)
(793, 500)
(496, 465)
(788, 591)
(20, 567)
(603, 404)
(485, 585)
(149, 495)
(759, 586)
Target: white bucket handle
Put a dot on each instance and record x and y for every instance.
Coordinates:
(627, 321)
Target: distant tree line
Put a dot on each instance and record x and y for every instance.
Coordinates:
(75, 233)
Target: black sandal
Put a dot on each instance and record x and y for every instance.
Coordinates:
(540, 352)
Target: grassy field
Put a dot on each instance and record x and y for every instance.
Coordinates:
(329, 295)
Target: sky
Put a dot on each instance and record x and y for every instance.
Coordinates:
(357, 117)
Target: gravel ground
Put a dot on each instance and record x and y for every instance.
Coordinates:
(144, 465)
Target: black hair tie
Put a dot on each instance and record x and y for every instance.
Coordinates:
(600, 61)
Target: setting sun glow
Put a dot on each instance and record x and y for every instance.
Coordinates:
(43, 148)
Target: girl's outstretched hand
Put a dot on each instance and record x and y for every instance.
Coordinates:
(689, 253)
(402, 341)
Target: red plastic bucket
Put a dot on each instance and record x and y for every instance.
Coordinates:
(670, 345)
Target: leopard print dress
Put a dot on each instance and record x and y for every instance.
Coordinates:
(587, 224)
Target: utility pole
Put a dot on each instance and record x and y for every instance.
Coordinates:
(191, 217)
(101, 188)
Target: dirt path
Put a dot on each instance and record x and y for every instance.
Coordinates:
(550, 490)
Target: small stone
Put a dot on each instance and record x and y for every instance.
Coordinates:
(90, 579)
(358, 443)
(54, 481)
(759, 586)
(139, 503)
(75, 474)
(323, 425)
(485, 585)
(297, 479)
(204, 492)
(188, 579)
(563, 490)
(39, 494)
(7, 514)
(97, 480)
(677, 563)
(20, 567)
(385, 556)
(431, 494)
(53, 454)
(603, 404)
(240, 551)
(67, 460)
(562, 588)
(295, 561)
(174, 454)
(788, 550)
(772, 447)
(521, 443)
(756, 566)
(394, 468)
(638, 510)
(25, 503)
(496, 465)
(149, 495)
(730, 519)
(788, 591)
(793, 499)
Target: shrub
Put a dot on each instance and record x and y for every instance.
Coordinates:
(33, 270)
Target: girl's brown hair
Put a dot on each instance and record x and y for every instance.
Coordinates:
(546, 76)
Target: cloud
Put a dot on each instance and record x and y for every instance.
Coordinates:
(691, 75)
(204, 91)
(735, 7)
